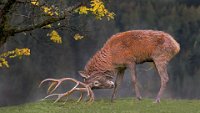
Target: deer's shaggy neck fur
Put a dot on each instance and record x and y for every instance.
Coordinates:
(100, 63)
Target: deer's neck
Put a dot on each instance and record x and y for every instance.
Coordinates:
(100, 62)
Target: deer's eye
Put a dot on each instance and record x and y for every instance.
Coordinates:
(96, 83)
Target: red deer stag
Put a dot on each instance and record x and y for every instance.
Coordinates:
(121, 51)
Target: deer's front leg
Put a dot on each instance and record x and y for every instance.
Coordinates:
(118, 81)
(132, 68)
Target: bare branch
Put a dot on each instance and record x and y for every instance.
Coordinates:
(6, 30)
(23, 1)
(45, 22)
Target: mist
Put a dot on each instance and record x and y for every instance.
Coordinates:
(181, 19)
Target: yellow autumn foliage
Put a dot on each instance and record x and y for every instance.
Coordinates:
(12, 54)
(97, 8)
(47, 10)
(55, 37)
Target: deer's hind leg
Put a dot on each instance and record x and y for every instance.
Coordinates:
(161, 66)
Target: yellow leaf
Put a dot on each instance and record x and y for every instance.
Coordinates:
(5, 63)
(78, 37)
(47, 26)
(55, 37)
(35, 2)
(83, 10)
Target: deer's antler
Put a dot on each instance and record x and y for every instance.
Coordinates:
(56, 82)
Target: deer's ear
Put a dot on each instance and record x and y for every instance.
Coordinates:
(83, 74)
(109, 77)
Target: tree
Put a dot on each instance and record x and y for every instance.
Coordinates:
(42, 14)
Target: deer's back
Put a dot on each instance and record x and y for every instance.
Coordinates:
(141, 46)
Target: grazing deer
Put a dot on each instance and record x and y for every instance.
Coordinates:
(125, 50)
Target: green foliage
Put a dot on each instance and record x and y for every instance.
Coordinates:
(105, 106)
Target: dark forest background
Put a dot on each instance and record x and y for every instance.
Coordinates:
(180, 18)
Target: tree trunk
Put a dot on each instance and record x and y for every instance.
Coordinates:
(2, 37)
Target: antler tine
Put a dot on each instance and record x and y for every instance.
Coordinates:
(48, 79)
(67, 93)
(90, 93)
(57, 82)
(60, 81)
(91, 99)
(80, 98)
(63, 94)
(88, 89)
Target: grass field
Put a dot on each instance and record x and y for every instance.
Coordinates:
(105, 106)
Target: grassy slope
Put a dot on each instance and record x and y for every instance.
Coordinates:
(105, 106)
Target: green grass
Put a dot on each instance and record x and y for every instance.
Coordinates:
(105, 106)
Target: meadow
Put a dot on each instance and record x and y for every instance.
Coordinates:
(127, 105)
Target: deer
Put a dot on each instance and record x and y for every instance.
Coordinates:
(123, 51)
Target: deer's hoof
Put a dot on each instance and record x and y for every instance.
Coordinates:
(157, 101)
(139, 98)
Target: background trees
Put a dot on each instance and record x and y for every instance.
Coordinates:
(180, 18)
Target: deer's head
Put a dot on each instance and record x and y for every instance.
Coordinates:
(98, 80)
(94, 81)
